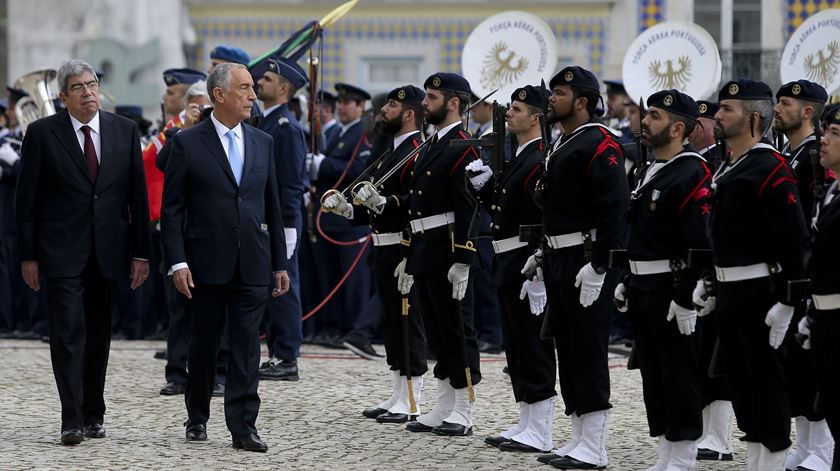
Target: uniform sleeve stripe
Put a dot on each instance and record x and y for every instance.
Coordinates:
(530, 175)
(452, 170)
(694, 191)
(602, 147)
(767, 180)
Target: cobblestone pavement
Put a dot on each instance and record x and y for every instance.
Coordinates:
(315, 423)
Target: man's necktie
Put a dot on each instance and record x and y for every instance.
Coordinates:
(90, 153)
(234, 157)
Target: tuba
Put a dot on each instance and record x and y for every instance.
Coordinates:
(39, 103)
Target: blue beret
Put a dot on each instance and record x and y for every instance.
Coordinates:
(230, 54)
(447, 81)
(178, 76)
(745, 89)
(576, 76)
(707, 109)
(407, 94)
(803, 90)
(350, 92)
(674, 101)
(831, 115)
(531, 95)
(290, 70)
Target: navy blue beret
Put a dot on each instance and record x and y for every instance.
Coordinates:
(745, 89)
(290, 70)
(531, 95)
(803, 90)
(447, 81)
(576, 76)
(230, 54)
(178, 76)
(128, 110)
(350, 92)
(674, 101)
(831, 115)
(407, 94)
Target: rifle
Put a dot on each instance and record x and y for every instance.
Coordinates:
(314, 133)
(494, 141)
(642, 163)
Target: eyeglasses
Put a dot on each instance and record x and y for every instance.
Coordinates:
(81, 87)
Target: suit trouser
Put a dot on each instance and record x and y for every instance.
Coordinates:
(670, 370)
(754, 369)
(285, 326)
(80, 310)
(385, 260)
(449, 328)
(178, 338)
(800, 373)
(242, 305)
(714, 388)
(581, 334)
(530, 359)
(825, 352)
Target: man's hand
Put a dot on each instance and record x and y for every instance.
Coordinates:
(804, 330)
(192, 115)
(778, 319)
(459, 275)
(8, 155)
(532, 265)
(182, 279)
(313, 162)
(370, 198)
(704, 302)
(281, 283)
(537, 299)
(480, 173)
(29, 270)
(139, 272)
(404, 280)
(336, 203)
(620, 297)
(686, 318)
(590, 282)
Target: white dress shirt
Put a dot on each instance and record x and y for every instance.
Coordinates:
(94, 135)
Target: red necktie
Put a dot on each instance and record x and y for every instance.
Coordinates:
(90, 153)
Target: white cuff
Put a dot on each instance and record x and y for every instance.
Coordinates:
(176, 267)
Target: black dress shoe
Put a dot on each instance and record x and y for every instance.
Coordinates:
(72, 436)
(364, 350)
(374, 412)
(452, 430)
(160, 355)
(279, 370)
(705, 454)
(172, 389)
(547, 458)
(251, 442)
(487, 347)
(196, 432)
(495, 441)
(219, 390)
(394, 418)
(567, 462)
(506, 370)
(94, 431)
(513, 445)
(418, 427)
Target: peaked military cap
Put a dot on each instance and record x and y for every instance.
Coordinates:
(707, 109)
(615, 87)
(448, 81)
(803, 90)
(576, 76)
(407, 94)
(230, 54)
(178, 76)
(15, 94)
(745, 89)
(350, 92)
(674, 101)
(290, 70)
(531, 95)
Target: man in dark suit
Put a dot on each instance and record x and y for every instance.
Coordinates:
(83, 216)
(222, 232)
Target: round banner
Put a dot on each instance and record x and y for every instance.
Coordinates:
(506, 51)
(813, 51)
(673, 54)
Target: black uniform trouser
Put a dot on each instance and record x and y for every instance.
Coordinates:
(581, 334)
(242, 305)
(385, 260)
(486, 309)
(825, 349)
(670, 372)
(80, 311)
(714, 388)
(449, 327)
(530, 359)
(178, 338)
(801, 374)
(754, 369)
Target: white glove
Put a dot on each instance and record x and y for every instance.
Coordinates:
(371, 198)
(535, 290)
(484, 173)
(459, 275)
(532, 265)
(686, 318)
(8, 155)
(590, 283)
(336, 203)
(778, 319)
(313, 161)
(620, 297)
(404, 280)
(307, 198)
(804, 329)
(291, 241)
(703, 303)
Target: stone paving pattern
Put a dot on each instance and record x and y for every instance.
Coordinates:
(315, 423)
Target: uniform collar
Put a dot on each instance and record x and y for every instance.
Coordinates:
(402, 137)
(446, 130)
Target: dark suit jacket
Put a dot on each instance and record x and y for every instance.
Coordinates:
(211, 223)
(63, 215)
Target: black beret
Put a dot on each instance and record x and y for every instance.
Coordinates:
(531, 95)
(803, 90)
(407, 94)
(707, 109)
(615, 87)
(15, 94)
(447, 81)
(350, 92)
(177, 76)
(831, 115)
(674, 101)
(576, 76)
(745, 89)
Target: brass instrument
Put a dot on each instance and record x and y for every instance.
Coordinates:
(39, 102)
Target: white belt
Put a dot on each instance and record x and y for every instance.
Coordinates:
(431, 222)
(568, 240)
(388, 238)
(748, 272)
(652, 267)
(826, 302)
(506, 245)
